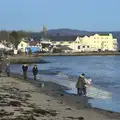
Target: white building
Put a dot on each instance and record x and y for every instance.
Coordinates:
(22, 46)
(2, 46)
(95, 42)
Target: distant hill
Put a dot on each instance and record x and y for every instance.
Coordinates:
(67, 32)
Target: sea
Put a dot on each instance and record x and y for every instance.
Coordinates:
(102, 70)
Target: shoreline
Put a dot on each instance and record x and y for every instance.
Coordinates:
(81, 54)
(80, 103)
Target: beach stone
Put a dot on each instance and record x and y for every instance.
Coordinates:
(48, 100)
(28, 95)
(24, 117)
(19, 109)
(3, 101)
(5, 113)
(68, 109)
(54, 90)
(27, 112)
(24, 91)
(14, 103)
(81, 118)
(1, 97)
(32, 105)
(76, 118)
(23, 99)
(40, 111)
(61, 94)
(3, 104)
(13, 96)
(60, 102)
(35, 114)
(44, 112)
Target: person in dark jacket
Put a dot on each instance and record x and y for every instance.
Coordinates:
(8, 70)
(25, 68)
(35, 71)
(80, 85)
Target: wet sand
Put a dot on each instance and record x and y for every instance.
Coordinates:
(28, 100)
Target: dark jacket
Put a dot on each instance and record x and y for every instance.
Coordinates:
(7, 68)
(81, 82)
(24, 68)
(35, 70)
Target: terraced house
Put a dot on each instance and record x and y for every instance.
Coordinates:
(97, 42)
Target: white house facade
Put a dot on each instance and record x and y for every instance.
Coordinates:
(22, 46)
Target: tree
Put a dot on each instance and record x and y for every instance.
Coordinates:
(16, 36)
(4, 35)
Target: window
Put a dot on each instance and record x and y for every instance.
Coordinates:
(83, 46)
(78, 47)
(21, 45)
(88, 46)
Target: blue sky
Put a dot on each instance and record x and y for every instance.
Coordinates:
(90, 15)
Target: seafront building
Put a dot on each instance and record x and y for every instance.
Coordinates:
(22, 45)
(97, 42)
(25, 46)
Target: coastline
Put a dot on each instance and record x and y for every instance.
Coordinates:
(79, 104)
(81, 54)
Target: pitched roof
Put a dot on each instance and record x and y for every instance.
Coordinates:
(104, 34)
(63, 38)
(33, 43)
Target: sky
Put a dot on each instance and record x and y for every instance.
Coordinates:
(31, 15)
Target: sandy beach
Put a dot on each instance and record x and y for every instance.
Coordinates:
(27, 100)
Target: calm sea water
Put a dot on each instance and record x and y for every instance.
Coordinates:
(103, 70)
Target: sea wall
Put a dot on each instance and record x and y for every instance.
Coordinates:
(22, 59)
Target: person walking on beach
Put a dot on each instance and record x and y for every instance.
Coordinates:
(80, 85)
(8, 70)
(25, 68)
(35, 71)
